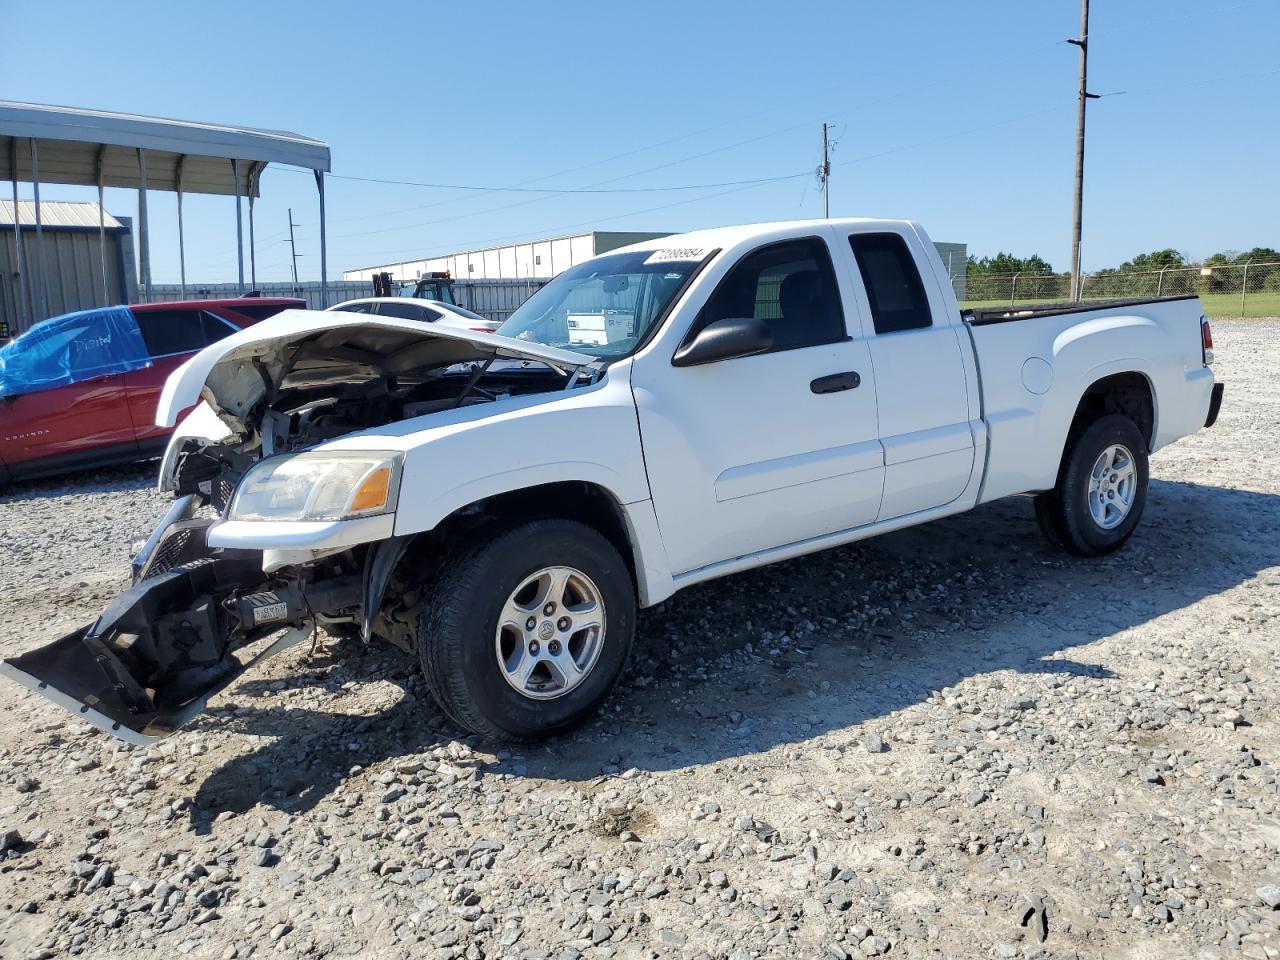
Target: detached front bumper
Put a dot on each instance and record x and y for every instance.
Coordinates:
(194, 621)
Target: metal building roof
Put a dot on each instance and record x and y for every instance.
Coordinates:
(58, 213)
(72, 141)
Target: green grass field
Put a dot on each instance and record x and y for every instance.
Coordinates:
(1263, 304)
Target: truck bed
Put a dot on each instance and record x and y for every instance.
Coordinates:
(1033, 376)
(981, 316)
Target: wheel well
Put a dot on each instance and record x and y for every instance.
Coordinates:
(567, 500)
(429, 551)
(585, 502)
(1125, 393)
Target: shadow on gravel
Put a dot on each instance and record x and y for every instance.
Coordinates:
(98, 480)
(984, 591)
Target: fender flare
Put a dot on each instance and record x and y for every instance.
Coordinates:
(636, 519)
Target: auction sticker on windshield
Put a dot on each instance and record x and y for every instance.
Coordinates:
(676, 253)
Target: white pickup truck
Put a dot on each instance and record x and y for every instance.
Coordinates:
(686, 408)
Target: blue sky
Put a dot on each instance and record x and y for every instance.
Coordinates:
(960, 115)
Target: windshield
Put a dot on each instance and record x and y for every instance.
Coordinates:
(605, 306)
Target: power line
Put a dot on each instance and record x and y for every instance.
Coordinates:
(698, 156)
(1197, 15)
(595, 188)
(523, 235)
(1195, 83)
(559, 173)
(542, 194)
(571, 190)
(949, 136)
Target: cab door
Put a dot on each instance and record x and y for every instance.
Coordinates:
(921, 387)
(757, 452)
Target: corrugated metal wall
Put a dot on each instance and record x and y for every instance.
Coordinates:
(495, 299)
(537, 259)
(69, 268)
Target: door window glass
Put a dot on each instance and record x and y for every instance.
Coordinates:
(409, 311)
(167, 332)
(789, 285)
(215, 328)
(356, 306)
(894, 289)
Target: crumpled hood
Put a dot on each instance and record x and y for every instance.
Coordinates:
(300, 348)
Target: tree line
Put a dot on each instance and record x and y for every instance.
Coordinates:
(1003, 264)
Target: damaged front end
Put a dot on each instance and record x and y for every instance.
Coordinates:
(192, 623)
(223, 584)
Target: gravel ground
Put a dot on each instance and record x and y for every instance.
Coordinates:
(950, 741)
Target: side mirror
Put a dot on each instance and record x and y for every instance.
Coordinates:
(724, 340)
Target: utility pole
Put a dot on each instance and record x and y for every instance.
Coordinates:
(1084, 97)
(294, 250)
(825, 175)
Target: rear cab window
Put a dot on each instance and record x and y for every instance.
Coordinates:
(891, 278)
(791, 286)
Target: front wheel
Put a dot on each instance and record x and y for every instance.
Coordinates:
(528, 630)
(1101, 490)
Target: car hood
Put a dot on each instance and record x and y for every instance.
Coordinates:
(301, 348)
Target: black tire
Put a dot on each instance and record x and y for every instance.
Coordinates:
(1064, 512)
(456, 631)
(1048, 517)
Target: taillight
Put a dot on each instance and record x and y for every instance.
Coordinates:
(1206, 341)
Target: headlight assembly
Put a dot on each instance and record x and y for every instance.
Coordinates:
(319, 486)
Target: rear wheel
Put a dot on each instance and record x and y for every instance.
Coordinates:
(528, 631)
(1101, 490)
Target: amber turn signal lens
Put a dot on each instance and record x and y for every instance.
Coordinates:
(372, 492)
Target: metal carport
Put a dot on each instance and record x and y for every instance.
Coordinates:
(69, 145)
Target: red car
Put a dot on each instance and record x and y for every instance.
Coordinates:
(80, 390)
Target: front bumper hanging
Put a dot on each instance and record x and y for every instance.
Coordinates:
(164, 647)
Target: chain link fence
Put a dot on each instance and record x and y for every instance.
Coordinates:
(1226, 290)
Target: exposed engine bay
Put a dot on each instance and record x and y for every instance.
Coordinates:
(299, 418)
(197, 616)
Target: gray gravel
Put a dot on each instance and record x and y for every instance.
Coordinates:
(951, 741)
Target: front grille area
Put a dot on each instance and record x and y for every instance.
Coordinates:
(181, 544)
(221, 493)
